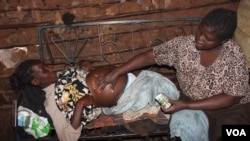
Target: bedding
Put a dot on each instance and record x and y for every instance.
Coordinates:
(70, 87)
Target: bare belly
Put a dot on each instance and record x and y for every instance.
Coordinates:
(106, 98)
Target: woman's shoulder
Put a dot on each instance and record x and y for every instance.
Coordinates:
(232, 47)
(185, 38)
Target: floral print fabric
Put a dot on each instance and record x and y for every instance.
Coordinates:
(69, 88)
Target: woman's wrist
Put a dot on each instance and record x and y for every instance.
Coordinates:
(190, 105)
(117, 72)
(79, 105)
(85, 101)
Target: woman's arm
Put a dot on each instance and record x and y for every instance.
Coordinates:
(139, 61)
(77, 114)
(216, 102)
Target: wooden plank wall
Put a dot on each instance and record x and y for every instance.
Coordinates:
(19, 20)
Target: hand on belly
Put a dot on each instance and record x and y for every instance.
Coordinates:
(108, 97)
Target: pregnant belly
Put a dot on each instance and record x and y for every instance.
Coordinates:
(107, 97)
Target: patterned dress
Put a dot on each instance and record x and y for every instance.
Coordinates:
(228, 74)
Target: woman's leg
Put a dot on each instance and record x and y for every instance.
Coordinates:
(235, 115)
(189, 125)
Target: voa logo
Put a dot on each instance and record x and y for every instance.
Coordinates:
(236, 132)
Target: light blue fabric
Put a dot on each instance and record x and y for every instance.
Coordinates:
(190, 125)
(141, 93)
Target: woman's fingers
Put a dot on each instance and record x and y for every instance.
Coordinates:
(101, 83)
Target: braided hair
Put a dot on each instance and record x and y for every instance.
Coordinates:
(23, 75)
(221, 21)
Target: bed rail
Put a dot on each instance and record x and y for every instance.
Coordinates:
(109, 42)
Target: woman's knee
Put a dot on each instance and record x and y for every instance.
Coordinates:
(189, 124)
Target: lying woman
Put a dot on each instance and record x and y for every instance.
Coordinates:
(80, 101)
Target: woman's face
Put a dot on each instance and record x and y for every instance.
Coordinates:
(43, 75)
(206, 38)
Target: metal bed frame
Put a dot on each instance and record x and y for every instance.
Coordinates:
(71, 40)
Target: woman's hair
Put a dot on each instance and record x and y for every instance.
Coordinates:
(23, 75)
(222, 21)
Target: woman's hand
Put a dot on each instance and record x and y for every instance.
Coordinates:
(176, 105)
(215, 102)
(105, 79)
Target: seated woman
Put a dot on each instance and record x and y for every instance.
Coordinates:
(36, 73)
